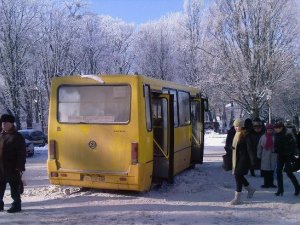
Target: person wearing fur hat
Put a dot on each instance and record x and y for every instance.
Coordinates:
(12, 161)
(242, 160)
(265, 152)
(284, 145)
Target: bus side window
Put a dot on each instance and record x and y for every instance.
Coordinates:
(173, 92)
(184, 108)
(156, 113)
(148, 107)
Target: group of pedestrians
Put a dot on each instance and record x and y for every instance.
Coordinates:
(254, 146)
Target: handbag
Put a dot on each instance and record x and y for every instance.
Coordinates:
(227, 162)
(293, 165)
(296, 164)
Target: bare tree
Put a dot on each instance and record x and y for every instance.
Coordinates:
(288, 105)
(191, 43)
(253, 48)
(155, 50)
(54, 53)
(118, 40)
(16, 24)
(92, 45)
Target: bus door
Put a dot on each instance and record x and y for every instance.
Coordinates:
(163, 137)
(197, 118)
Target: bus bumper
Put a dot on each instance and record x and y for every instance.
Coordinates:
(138, 177)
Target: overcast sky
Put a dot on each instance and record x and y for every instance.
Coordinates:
(137, 11)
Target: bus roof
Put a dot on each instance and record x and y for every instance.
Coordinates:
(155, 84)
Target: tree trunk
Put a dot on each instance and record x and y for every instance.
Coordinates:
(28, 107)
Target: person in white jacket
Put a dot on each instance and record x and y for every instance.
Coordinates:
(265, 152)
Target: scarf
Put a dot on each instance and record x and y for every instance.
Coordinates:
(234, 146)
(269, 142)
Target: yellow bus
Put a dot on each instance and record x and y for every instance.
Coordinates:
(122, 132)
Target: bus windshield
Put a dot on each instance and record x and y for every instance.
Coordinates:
(94, 104)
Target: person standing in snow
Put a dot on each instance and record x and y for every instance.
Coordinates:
(292, 129)
(284, 145)
(254, 135)
(12, 161)
(265, 152)
(229, 139)
(242, 160)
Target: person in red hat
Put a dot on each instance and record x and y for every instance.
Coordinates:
(266, 152)
(12, 161)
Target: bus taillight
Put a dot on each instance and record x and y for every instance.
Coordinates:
(134, 153)
(52, 149)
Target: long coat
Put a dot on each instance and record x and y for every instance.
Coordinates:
(243, 157)
(254, 138)
(229, 139)
(12, 155)
(285, 144)
(268, 156)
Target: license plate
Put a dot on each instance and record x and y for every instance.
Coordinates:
(94, 178)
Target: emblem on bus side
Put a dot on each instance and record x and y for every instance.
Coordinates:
(92, 144)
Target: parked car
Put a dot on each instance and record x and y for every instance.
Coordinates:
(37, 137)
(29, 148)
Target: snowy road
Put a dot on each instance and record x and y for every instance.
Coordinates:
(198, 196)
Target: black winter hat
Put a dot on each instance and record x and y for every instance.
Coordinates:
(7, 118)
(279, 123)
(248, 123)
(257, 122)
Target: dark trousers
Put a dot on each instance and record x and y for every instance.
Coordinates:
(252, 172)
(268, 177)
(280, 165)
(14, 192)
(240, 180)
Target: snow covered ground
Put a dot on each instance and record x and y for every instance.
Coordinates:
(198, 196)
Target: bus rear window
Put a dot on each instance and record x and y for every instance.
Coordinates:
(94, 104)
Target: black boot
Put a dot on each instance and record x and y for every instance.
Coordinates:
(271, 179)
(252, 172)
(16, 207)
(266, 183)
(297, 191)
(280, 184)
(295, 182)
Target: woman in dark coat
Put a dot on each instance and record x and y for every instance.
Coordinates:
(285, 146)
(242, 159)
